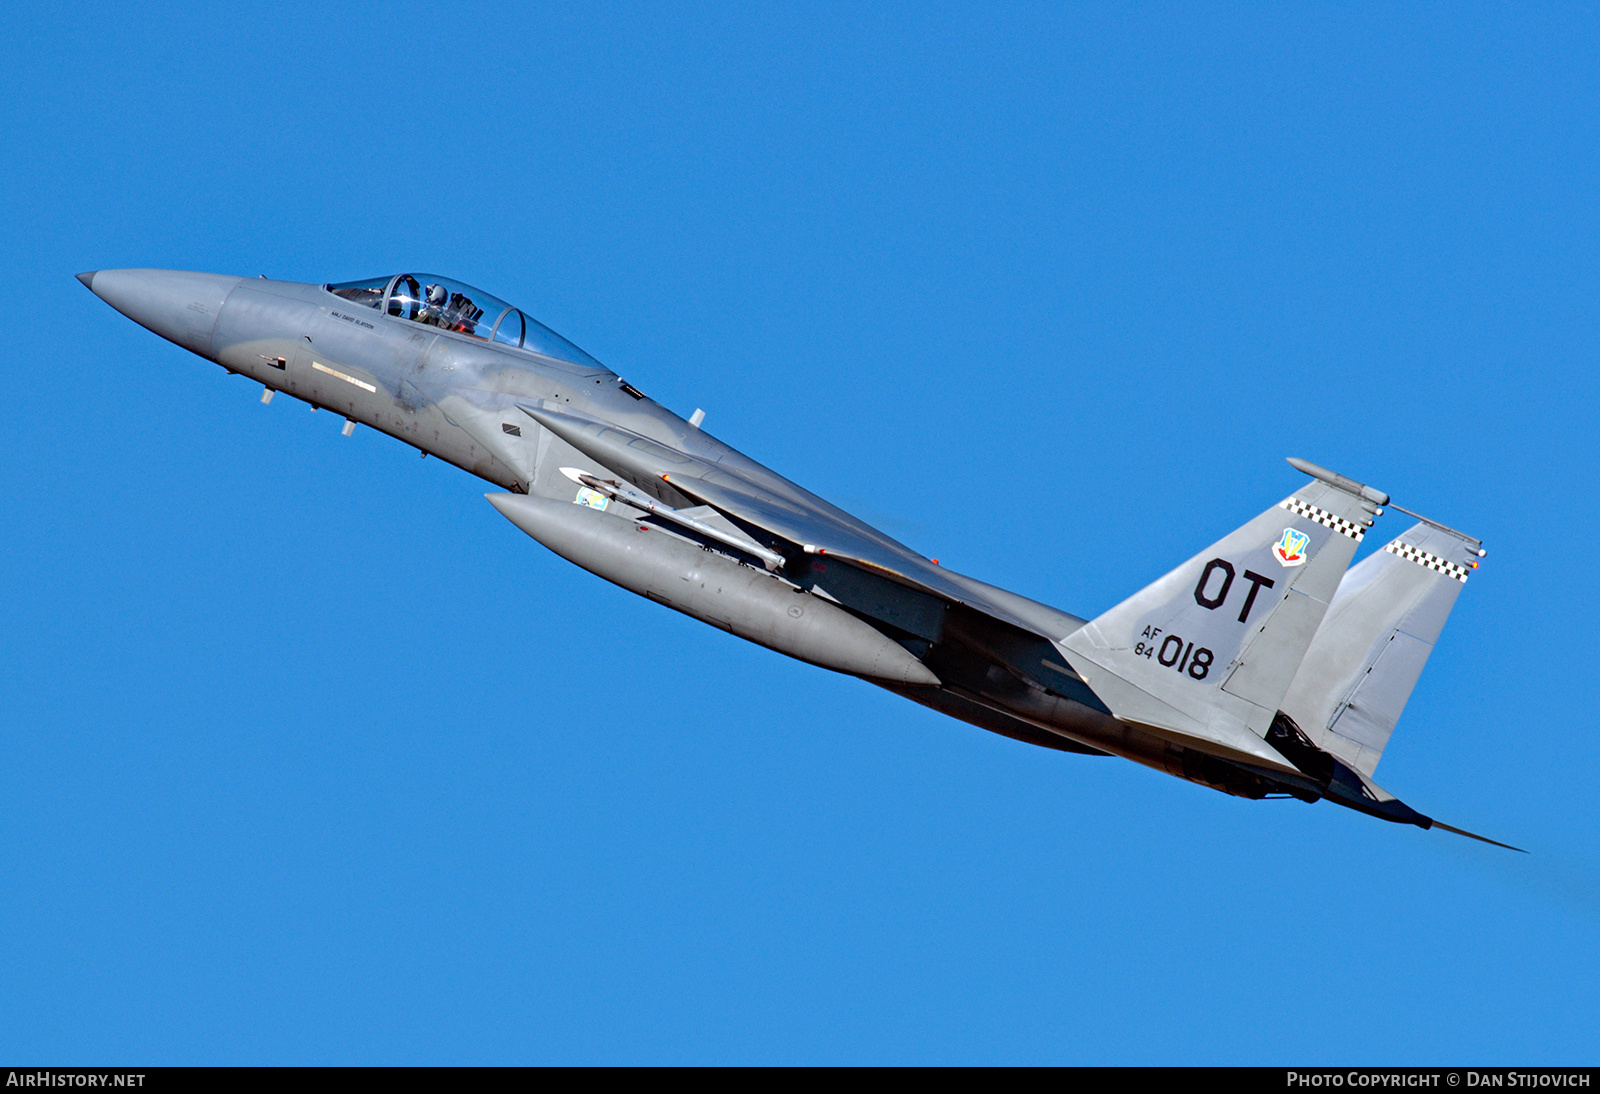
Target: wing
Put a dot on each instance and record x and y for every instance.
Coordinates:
(800, 524)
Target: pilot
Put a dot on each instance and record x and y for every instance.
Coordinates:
(432, 311)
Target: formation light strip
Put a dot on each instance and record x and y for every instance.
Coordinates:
(362, 384)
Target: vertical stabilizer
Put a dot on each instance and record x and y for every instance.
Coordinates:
(1209, 650)
(1371, 648)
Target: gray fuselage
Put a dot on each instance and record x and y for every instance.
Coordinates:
(516, 417)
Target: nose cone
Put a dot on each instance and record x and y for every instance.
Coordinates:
(181, 307)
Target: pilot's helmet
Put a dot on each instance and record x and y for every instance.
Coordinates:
(437, 295)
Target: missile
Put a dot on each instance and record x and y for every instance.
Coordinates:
(713, 588)
(611, 488)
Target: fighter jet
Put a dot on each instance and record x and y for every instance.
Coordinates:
(1264, 666)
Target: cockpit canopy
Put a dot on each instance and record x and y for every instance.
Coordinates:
(450, 305)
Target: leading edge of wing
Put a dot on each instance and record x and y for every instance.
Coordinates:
(809, 526)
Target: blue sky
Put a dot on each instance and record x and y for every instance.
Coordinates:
(310, 756)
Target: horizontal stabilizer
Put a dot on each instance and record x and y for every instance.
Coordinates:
(1357, 791)
(1474, 835)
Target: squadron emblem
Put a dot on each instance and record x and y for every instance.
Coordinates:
(594, 499)
(1290, 550)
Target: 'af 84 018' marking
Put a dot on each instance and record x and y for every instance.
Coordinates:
(1175, 653)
